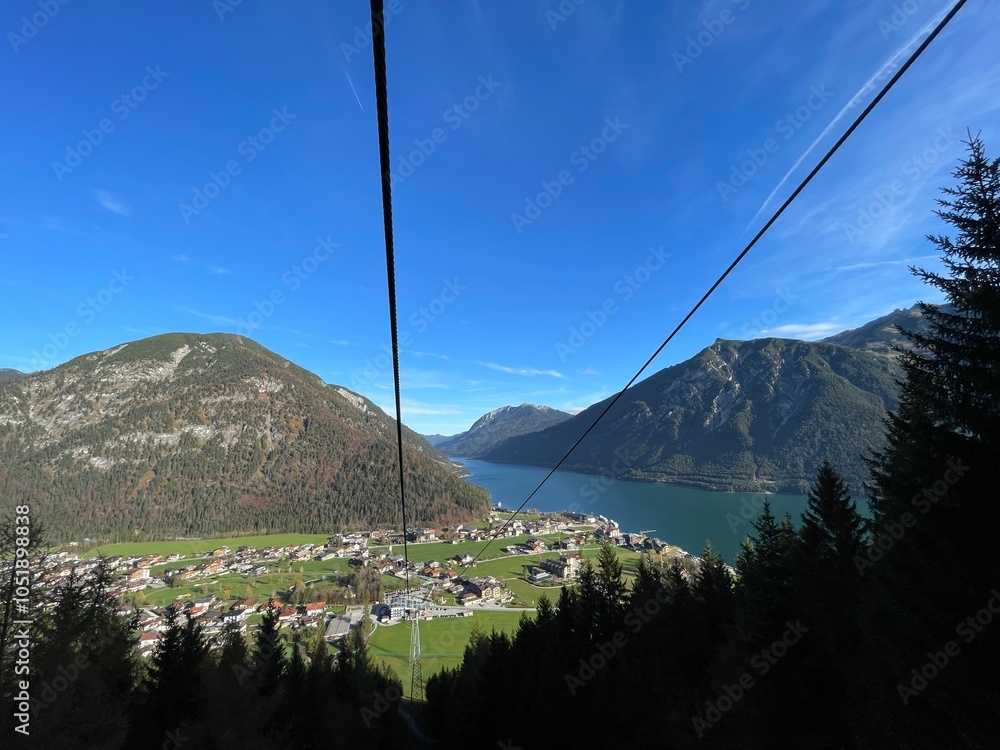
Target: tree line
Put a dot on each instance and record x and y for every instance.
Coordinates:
(88, 687)
(847, 632)
(844, 632)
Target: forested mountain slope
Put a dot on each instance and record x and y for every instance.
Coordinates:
(190, 434)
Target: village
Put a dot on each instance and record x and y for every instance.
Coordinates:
(428, 589)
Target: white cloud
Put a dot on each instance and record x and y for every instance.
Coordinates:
(886, 70)
(414, 378)
(416, 353)
(218, 270)
(803, 330)
(876, 264)
(222, 320)
(526, 371)
(418, 408)
(112, 203)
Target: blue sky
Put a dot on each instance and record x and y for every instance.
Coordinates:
(569, 179)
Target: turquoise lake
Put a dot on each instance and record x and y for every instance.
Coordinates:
(680, 515)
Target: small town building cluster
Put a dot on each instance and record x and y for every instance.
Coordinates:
(133, 573)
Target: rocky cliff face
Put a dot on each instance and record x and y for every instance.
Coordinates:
(741, 415)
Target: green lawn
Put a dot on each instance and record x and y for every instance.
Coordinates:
(157, 570)
(511, 569)
(442, 551)
(529, 593)
(193, 547)
(262, 586)
(442, 641)
(508, 569)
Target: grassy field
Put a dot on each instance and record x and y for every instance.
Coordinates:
(200, 548)
(281, 578)
(196, 547)
(442, 642)
(441, 551)
(527, 593)
(157, 570)
(511, 569)
(495, 562)
(234, 585)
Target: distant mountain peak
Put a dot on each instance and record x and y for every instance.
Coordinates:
(881, 336)
(498, 425)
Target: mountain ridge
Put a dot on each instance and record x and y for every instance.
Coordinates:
(500, 424)
(194, 434)
(757, 415)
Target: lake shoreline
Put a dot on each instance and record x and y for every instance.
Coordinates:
(773, 488)
(685, 516)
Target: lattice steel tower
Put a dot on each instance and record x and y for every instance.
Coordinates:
(416, 673)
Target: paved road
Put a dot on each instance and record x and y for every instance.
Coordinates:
(500, 607)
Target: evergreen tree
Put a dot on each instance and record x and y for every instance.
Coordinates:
(944, 439)
(609, 593)
(934, 486)
(269, 660)
(832, 529)
(84, 646)
(176, 680)
(228, 692)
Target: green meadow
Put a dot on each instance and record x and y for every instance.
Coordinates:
(280, 579)
(442, 641)
(201, 547)
(511, 570)
(441, 551)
